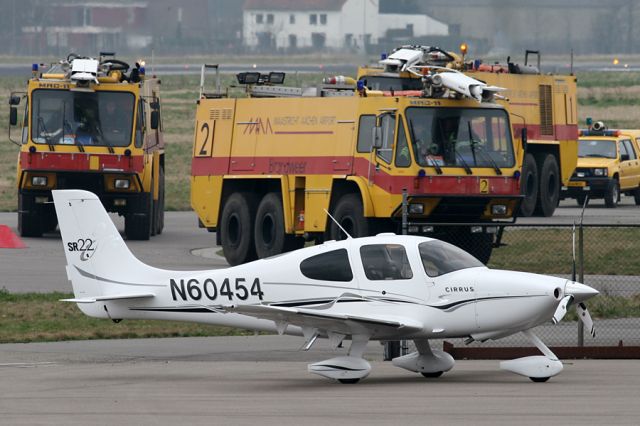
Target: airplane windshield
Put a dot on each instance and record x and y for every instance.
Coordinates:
(439, 258)
(460, 137)
(63, 117)
(597, 148)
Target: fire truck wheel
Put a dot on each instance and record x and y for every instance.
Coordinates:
(158, 206)
(269, 233)
(29, 223)
(529, 185)
(236, 228)
(636, 196)
(138, 221)
(549, 190)
(612, 194)
(350, 215)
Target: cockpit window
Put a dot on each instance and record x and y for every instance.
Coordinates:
(439, 258)
(330, 266)
(385, 262)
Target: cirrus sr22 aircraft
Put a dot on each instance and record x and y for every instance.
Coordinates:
(387, 287)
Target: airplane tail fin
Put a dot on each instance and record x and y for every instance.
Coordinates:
(99, 263)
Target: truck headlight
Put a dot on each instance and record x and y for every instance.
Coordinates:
(121, 183)
(417, 208)
(499, 209)
(39, 181)
(600, 172)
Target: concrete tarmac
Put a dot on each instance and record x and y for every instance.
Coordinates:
(264, 380)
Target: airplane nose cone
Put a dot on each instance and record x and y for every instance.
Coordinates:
(580, 292)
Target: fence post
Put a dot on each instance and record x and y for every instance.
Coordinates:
(581, 279)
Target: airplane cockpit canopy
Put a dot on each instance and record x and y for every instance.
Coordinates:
(439, 258)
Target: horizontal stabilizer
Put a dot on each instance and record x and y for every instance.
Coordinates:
(110, 297)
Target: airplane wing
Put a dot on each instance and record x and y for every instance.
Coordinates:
(330, 322)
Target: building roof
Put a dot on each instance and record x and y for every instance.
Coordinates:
(294, 5)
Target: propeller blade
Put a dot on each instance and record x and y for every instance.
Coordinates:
(561, 310)
(585, 317)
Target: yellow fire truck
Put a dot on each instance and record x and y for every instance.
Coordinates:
(546, 105)
(90, 124)
(268, 168)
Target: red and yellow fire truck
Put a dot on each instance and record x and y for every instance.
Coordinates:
(90, 124)
(268, 168)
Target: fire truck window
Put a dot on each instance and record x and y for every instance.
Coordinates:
(456, 137)
(403, 158)
(622, 148)
(385, 262)
(596, 148)
(365, 130)
(140, 124)
(82, 118)
(630, 150)
(439, 258)
(388, 124)
(330, 266)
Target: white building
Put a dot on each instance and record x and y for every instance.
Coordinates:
(334, 24)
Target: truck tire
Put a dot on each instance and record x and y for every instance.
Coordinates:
(139, 219)
(636, 196)
(549, 188)
(529, 186)
(612, 194)
(29, 222)
(350, 215)
(158, 206)
(49, 219)
(236, 228)
(269, 235)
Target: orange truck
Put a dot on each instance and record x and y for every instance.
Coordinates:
(90, 124)
(269, 167)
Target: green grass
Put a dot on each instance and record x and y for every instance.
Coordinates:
(40, 317)
(608, 251)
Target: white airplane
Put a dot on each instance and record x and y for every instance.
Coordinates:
(387, 287)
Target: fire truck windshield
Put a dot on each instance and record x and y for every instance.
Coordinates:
(62, 117)
(377, 82)
(460, 137)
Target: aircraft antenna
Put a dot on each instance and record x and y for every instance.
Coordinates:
(339, 226)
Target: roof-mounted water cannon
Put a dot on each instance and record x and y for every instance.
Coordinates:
(84, 71)
(404, 57)
(439, 80)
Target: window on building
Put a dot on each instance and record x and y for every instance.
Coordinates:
(330, 266)
(270, 18)
(313, 19)
(293, 41)
(323, 19)
(259, 18)
(292, 19)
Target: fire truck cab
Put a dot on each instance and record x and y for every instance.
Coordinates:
(90, 124)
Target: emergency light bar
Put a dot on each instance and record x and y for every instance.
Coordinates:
(84, 71)
(257, 78)
(590, 132)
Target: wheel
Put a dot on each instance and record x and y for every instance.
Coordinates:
(432, 375)
(549, 188)
(158, 206)
(350, 215)
(139, 219)
(29, 222)
(348, 381)
(236, 228)
(612, 194)
(529, 185)
(580, 200)
(269, 235)
(636, 196)
(539, 379)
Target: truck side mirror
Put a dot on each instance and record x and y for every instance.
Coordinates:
(155, 119)
(14, 100)
(13, 116)
(523, 138)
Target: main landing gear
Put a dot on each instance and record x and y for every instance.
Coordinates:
(537, 368)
